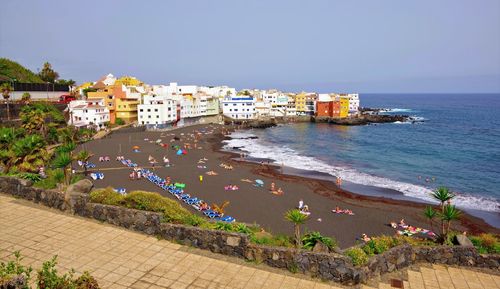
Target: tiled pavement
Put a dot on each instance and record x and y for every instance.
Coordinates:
(119, 258)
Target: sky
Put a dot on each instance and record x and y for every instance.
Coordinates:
(383, 46)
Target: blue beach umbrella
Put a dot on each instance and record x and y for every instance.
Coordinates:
(259, 182)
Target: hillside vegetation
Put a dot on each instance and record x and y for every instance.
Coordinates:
(12, 70)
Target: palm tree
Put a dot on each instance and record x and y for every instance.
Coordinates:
(34, 120)
(6, 88)
(297, 218)
(429, 213)
(84, 156)
(449, 214)
(26, 98)
(62, 161)
(28, 153)
(443, 194)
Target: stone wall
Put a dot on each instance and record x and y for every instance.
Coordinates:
(328, 266)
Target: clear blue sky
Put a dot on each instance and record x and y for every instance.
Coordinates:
(327, 45)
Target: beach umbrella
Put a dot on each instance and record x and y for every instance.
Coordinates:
(259, 182)
(135, 147)
(179, 152)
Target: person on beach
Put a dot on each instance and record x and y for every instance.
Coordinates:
(273, 186)
(365, 238)
(339, 181)
(168, 180)
(201, 178)
(166, 161)
(301, 204)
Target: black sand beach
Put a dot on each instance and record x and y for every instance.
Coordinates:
(250, 203)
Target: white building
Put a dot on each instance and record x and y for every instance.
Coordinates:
(88, 113)
(157, 110)
(353, 103)
(239, 107)
(262, 109)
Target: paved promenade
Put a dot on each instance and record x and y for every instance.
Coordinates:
(119, 258)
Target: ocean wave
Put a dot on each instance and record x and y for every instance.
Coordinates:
(291, 158)
(397, 110)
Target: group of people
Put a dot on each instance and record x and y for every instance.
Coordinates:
(231, 187)
(274, 191)
(104, 159)
(227, 167)
(303, 208)
(120, 158)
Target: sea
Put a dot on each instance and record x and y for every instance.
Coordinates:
(455, 143)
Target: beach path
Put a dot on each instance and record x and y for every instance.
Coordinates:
(119, 258)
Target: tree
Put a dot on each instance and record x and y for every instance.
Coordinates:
(429, 213)
(449, 213)
(62, 161)
(48, 74)
(442, 194)
(6, 88)
(69, 82)
(26, 98)
(297, 218)
(27, 154)
(34, 120)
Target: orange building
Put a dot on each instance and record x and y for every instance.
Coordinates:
(328, 108)
(323, 108)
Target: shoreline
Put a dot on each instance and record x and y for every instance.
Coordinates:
(251, 204)
(328, 188)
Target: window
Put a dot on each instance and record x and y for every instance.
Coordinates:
(141, 110)
(149, 116)
(156, 110)
(157, 116)
(149, 110)
(225, 104)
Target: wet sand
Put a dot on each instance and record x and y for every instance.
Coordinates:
(252, 204)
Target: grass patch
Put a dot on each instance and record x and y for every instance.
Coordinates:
(486, 243)
(357, 255)
(172, 211)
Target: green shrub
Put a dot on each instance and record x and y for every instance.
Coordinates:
(106, 196)
(223, 226)
(310, 239)
(14, 268)
(358, 256)
(119, 121)
(242, 228)
(193, 220)
(31, 176)
(486, 243)
(270, 240)
(378, 245)
(48, 278)
(54, 177)
(140, 200)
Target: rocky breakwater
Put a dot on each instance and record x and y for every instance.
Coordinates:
(369, 118)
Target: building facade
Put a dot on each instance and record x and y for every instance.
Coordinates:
(241, 108)
(88, 113)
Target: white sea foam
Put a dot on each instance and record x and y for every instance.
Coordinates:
(398, 110)
(291, 158)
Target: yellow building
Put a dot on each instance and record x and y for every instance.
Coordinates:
(126, 109)
(128, 81)
(109, 100)
(300, 102)
(344, 106)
